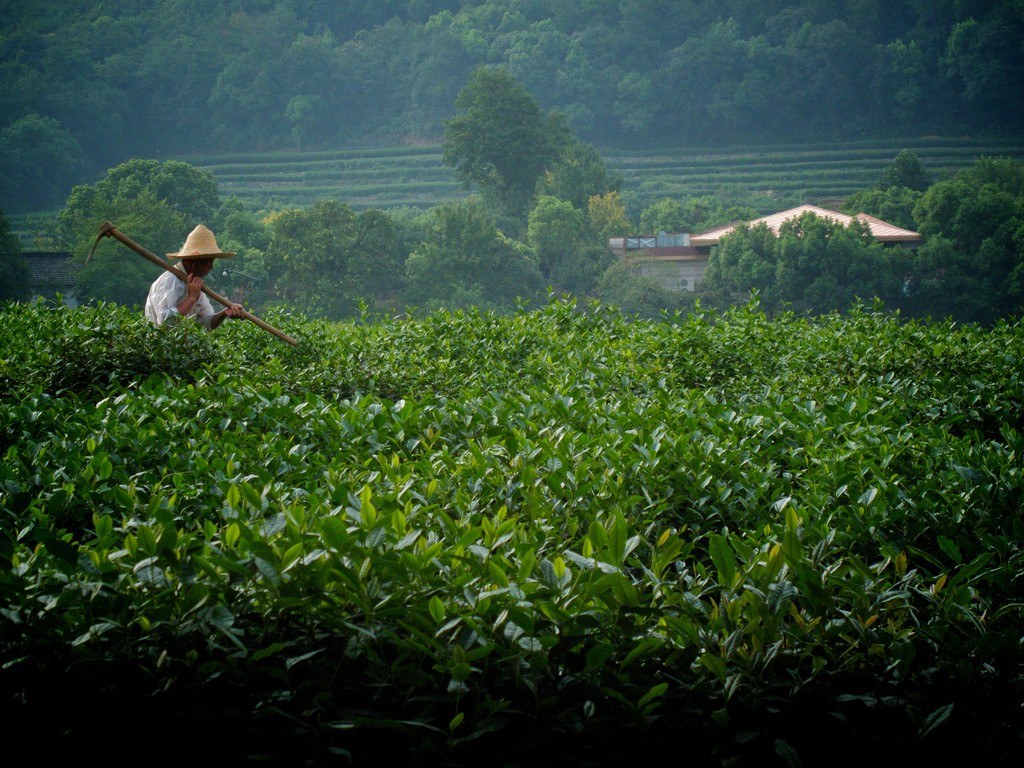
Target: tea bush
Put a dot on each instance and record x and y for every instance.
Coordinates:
(560, 535)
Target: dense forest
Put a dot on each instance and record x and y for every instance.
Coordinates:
(90, 83)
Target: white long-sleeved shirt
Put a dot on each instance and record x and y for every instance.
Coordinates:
(166, 293)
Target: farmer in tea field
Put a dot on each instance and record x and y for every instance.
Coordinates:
(170, 297)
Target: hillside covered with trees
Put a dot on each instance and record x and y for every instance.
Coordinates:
(91, 83)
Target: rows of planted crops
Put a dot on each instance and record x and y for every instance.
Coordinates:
(558, 537)
(398, 176)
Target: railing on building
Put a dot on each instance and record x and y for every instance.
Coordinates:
(660, 240)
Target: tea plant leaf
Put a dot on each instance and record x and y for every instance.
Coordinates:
(617, 537)
(900, 564)
(267, 570)
(437, 610)
(788, 754)
(598, 655)
(970, 474)
(967, 572)
(949, 548)
(714, 664)
(723, 558)
(63, 551)
(868, 496)
(780, 595)
(273, 525)
(148, 572)
(293, 660)
(267, 652)
(935, 719)
(655, 692)
(96, 630)
(250, 496)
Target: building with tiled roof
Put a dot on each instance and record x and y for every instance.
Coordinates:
(678, 261)
(880, 230)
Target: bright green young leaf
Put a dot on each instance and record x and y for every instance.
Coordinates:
(724, 559)
(437, 611)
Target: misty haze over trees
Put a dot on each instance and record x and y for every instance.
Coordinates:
(91, 84)
(100, 99)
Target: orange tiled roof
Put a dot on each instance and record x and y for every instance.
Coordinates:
(881, 230)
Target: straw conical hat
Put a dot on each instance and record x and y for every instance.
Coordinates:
(201, 244)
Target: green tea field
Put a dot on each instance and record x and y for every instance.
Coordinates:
(558, 537)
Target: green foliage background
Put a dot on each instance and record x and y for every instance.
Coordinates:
(562, 534)
(95, 82)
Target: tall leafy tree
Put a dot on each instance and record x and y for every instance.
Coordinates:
(635, 94)
(533, 54)
(155, 203)
(896, 194)
(578, 174)
(906, 171)
(555, 228)
(41, 161)
(466, 260)
(705, 69)
(745, 261)
(186, 189)
(665, 215)
(572, 244)
(607, 216)
(813, 264)
(501, 141)
(902, 86)
(895, 205)
(820, 91)
(984, 58)
(114, 272)
(254, 86)
(973, 225)
(619, 286)
(440, 64)
(308, 259)
(377, 260)
(975, 202)
(691, 214)
(825, 267)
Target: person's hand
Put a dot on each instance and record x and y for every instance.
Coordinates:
(193, 287)
(232, 310)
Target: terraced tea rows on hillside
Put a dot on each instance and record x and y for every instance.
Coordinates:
(812, 173)
(388, 177)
